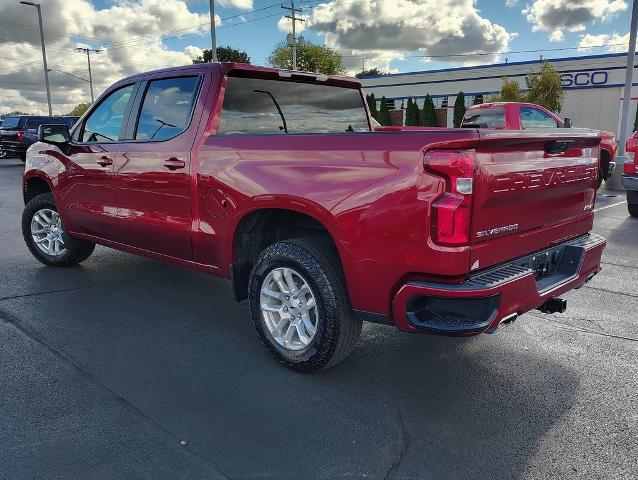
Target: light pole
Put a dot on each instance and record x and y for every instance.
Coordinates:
(44, 53)
(614, 181)
(213, 39)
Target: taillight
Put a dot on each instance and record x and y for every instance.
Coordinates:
(452, 212)
(20, 136)
(630, 168)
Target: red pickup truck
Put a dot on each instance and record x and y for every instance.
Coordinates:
(523, 116)
(275, 180)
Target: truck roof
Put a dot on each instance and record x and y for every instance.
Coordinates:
(238, 69)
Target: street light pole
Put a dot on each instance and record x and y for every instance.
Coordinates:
(614, 182)
(213, 38)
(44, 54)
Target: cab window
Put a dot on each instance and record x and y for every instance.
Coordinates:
(105, 122)
(484, 118)
(534, 118)
(167, 108)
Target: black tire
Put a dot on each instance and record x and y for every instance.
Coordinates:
(23, 157)
(633, 209)
(337, 330)
(76, 250)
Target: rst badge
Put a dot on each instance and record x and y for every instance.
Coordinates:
(496, 230)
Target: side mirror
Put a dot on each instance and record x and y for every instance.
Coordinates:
(53, 133)
(567, 123)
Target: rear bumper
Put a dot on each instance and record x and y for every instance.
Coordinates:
(497, 294)
(13, 148)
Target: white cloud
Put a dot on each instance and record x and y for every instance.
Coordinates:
(556, 16)
(127, 31)
(613, 42)
(384, 30)
(556, 36)
(194, 52)
(511, 3)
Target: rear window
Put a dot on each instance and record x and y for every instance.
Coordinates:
(485, 118)
(257, 106)
(32, 123)
(10, 122)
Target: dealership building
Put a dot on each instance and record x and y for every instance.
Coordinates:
(593, 87)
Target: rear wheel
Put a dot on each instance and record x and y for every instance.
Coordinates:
(633, 209)
(45, 236)
(300, 306)
(23, 157)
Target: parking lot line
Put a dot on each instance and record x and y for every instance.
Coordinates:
(609, 206)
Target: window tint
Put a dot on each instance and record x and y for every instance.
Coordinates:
(104, 123)
(257, 106)
(167, 108)
(10, 122)
(534, 118)
(485, 118)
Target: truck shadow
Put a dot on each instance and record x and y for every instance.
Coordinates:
(177, 348)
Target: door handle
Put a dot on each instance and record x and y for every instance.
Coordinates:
(105, 161)
(174, 163)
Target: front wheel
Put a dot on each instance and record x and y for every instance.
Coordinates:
(45, 236)
(300, 307)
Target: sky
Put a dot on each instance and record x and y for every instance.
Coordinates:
(392, 35)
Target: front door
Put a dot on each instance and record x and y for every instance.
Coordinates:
(87, 189)
(153, 181)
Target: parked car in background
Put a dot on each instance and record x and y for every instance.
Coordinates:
(18, 132)
(630, 174)
(523, 116)
(277, 181)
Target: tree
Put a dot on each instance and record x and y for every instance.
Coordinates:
(428, 116)
(225, 54)
(372, 105)
(384, 113)
(412, 113)
(310, 58)
(369, 72)
(79, 109)
(459, 109)
(11, 114)
(544, 88)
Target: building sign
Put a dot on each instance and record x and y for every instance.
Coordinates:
(584, 79)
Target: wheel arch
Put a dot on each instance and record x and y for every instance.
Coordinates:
(35, 183)
(266, 224)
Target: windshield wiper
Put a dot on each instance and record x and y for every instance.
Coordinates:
(281, 114)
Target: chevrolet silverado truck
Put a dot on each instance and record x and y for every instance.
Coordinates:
(277, 181)
(523, 116)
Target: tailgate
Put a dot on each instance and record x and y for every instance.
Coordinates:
(533, 184)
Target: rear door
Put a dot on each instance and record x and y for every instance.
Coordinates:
(153, 171)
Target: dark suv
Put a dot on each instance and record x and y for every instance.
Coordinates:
(18, 132)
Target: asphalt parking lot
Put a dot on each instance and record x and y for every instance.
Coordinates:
(126, 368)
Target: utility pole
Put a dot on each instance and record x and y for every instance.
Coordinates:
(44, 53)
(295, 19)
(213, 38)
(88, 52)
(614, 181)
